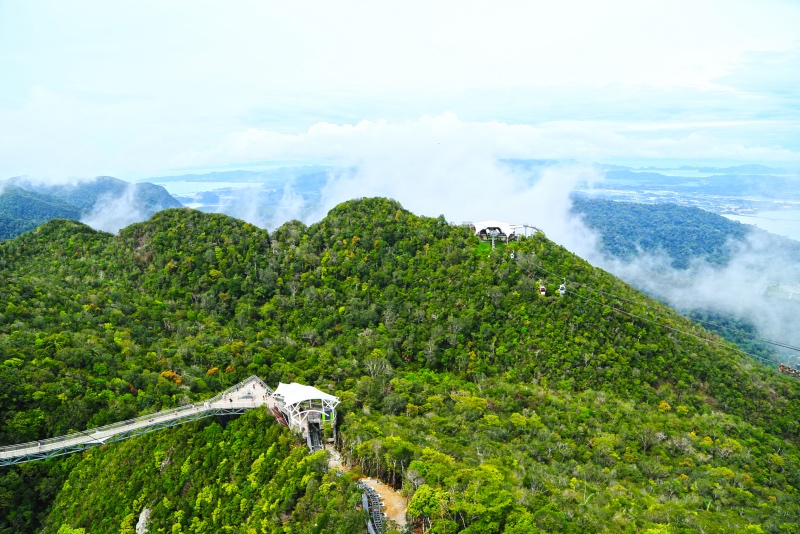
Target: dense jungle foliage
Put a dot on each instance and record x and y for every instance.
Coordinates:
(25, 204)
(145, 197)
(203, 478)
(494, 409)
(22, 211)
(683, 233)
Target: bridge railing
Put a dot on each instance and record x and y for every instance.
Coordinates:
(239, 387)
(98, 433)
(91, 433)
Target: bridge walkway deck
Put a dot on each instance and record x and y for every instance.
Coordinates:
(248, 394)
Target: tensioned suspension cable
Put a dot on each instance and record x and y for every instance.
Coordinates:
(743, 332)
(703, 321)
(725, 344)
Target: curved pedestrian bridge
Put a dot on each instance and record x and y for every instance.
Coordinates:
(250, 393)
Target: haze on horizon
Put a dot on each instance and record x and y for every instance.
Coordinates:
(140, 89)
(421, 99)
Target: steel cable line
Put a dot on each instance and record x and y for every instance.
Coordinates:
(704, 322)
(655, 310)
(723, 343)
(750, 335)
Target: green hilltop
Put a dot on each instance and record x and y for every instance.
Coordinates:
(22, 211)
(492, 408)
(26, 204)
(683, 233)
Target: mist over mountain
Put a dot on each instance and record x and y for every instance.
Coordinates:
(265, 198)
(491, 406)
(694, 259)
(702, 264)
(86, 193)
(316, 175)
(104, 203)
(22, 211)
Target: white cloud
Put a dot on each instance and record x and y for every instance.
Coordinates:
(130, 88)
(445, 137)
(247, 47)
(458, 176)
(443, 165)
(734, 290)
(111, 213)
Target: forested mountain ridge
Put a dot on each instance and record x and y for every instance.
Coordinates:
(84, 194)
(683, 233)
(494, 408)
(21, 211)
(26, 204)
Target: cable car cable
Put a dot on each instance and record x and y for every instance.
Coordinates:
(723, 343)
(743, 332)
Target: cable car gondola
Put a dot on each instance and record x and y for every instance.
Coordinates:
(789, 369)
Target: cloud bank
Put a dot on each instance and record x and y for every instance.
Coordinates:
(111, 213)
(737, 289)
(446, 136)
(87, 94)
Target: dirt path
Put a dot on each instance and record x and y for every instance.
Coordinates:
(395, 503)
(335, 459)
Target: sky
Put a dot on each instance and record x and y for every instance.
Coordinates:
(167, 87)
(421, 98)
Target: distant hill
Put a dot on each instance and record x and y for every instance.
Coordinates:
(104, 201)
(270, 198)
(693, 239)
(736, 183)
(21, 211)
(684, 233)
(277, 175)
(737, 169)
(742, 169)
(148, 197)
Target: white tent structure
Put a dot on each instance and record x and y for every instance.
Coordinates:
(305, 404)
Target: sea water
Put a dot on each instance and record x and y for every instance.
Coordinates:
(783, 222)
(189, 188)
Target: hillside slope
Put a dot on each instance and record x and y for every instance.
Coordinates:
(494, 408)
(683, 233)
(21, 211)
(105, 203)
(150, 198)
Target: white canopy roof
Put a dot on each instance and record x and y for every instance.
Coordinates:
(504, 227)
(294, 393)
